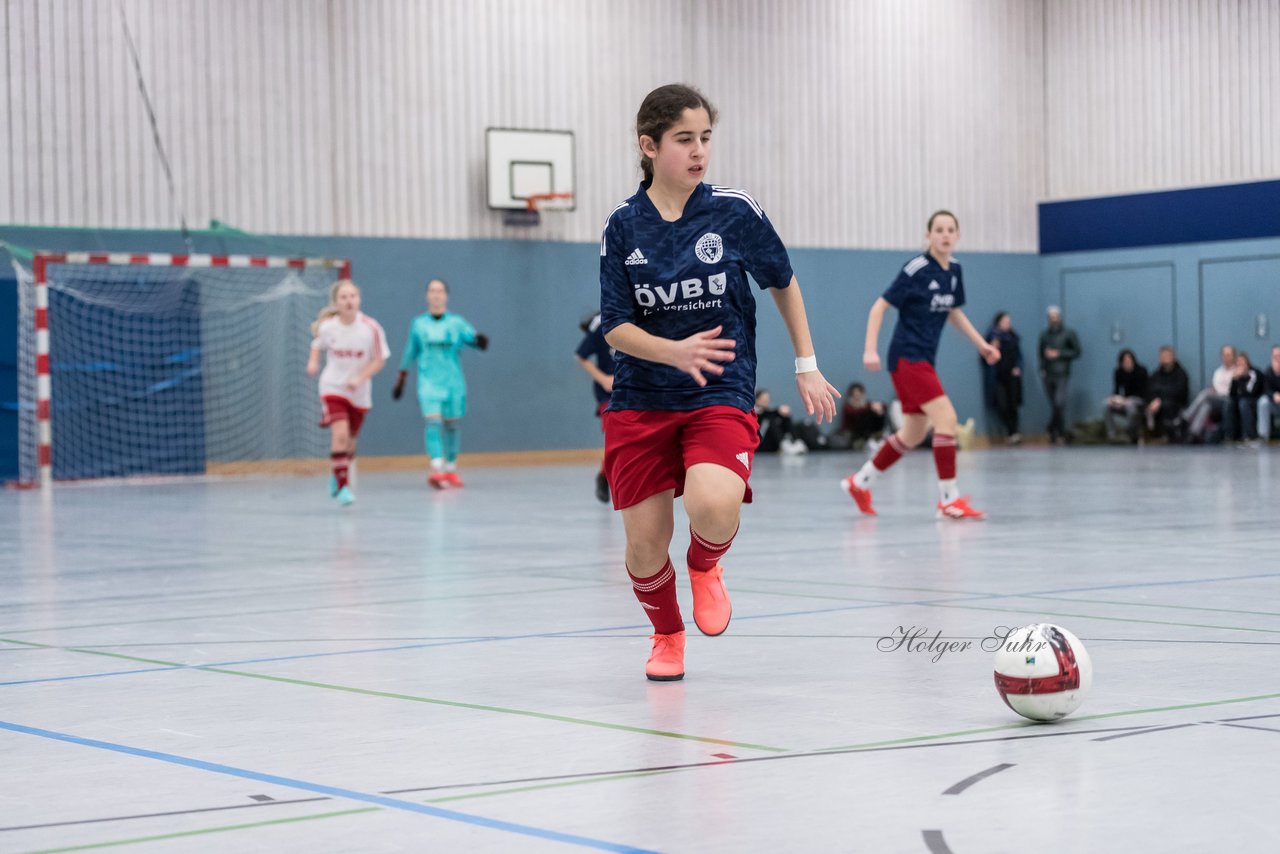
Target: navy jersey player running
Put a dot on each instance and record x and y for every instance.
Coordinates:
(676, 305)
(928, 294)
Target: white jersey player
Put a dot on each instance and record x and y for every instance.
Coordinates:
(355, 349)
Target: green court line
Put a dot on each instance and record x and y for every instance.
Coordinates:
(206, 830)
(412, 698)
(543, 786)
(1024, 725)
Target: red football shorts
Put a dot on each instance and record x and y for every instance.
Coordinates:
(647, 452)
(916, 384)
(340, 409)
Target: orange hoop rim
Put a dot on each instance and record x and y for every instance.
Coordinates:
(532, 201)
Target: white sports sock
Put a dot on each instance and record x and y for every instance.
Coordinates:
(866, 475)
(450, 466)
(949, 491)
(437, 464)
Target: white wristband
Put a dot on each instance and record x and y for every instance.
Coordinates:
(805, 364)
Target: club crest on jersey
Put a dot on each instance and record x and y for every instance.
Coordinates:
(717, 282)
(709, 248)
(953, 283)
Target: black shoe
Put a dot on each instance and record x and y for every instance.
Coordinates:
(602, 488)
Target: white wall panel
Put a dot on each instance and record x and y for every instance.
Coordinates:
(851, 122)
(849, 119)
(1153, 94)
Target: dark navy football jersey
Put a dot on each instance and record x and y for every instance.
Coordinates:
(673, 279)
(924, 295)
(594, 346)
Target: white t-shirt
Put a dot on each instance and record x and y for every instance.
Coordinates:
(348, 349)
(1222, 380)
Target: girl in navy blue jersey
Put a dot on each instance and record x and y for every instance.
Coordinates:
(676, 305)
(928, 294)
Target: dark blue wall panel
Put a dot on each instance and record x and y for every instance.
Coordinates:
(1197, 215)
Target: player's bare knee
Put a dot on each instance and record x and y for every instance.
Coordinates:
(713, 515)
(646, 557)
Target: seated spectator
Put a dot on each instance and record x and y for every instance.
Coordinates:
(1240, 418)
(1211, 403)
(1167, 391)
(777, 433)
(862, 419)
(1128, 396)
(1269, 402)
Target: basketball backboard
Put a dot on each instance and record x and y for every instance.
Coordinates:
(524, 163)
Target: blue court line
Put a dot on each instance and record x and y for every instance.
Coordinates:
(332, 791)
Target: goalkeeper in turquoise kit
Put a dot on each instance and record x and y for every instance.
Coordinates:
(435, 344)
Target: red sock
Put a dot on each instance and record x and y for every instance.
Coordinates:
(340, 464)
(890, 452)
(657, 595)
(704, 555)
(944, 455)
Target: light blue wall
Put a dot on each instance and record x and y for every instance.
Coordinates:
(1196, 297)
(527, 393)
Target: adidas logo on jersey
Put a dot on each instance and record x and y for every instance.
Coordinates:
(745, 460)
(933, 286)
(636, 257)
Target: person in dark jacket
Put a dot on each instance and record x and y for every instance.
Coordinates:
(1168, 391)
(1269, 403)
(1006, 374)
(1240, 417)
(1128, 395)
(1059, 347)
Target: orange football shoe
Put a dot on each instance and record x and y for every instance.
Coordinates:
(666, 662)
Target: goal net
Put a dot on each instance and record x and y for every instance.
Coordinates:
(163, 364)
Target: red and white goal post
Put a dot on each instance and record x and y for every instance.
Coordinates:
(139, 364)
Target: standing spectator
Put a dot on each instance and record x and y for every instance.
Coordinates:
(1269, 402)
(1059, 347)
(862, 419)
(1211, 403)
(1007, 382)
(1240, 417)
(1128, 395)
(1167, 391)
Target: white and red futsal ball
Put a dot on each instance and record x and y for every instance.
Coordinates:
(1043, 672)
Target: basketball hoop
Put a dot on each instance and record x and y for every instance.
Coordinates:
(534, 204)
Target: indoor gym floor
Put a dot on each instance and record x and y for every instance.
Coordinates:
(242, 665)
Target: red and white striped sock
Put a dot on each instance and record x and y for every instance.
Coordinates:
(657, 595)
(944, 459)
(890, 452)
(704, 555)
(341, 465)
